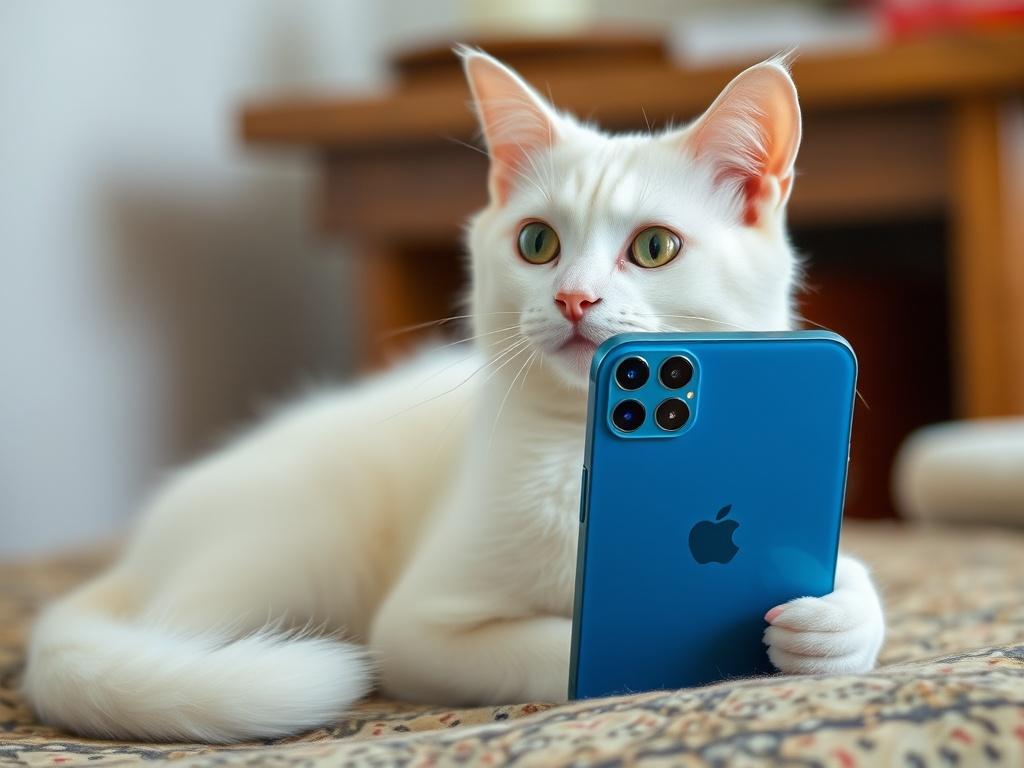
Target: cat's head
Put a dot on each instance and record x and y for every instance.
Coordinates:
(588, 234)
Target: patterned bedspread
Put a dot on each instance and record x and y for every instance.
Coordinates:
(949, 690)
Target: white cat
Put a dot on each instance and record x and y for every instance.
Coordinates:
(431, 513)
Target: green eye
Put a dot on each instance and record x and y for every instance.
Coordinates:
(654, 247)
(538, 243)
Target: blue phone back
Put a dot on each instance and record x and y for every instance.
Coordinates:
(764, 455)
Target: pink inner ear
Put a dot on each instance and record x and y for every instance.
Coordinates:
(504, 163)
(737, 148)
(514, 119)
(751, 197)
(513, 131)
(740, 145)
(750, 133)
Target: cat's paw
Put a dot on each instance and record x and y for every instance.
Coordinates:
(840, 633)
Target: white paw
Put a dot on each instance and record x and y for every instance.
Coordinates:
(839, 633)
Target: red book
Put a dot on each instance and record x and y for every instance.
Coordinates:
(909, 17)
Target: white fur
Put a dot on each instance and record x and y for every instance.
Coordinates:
(836, 634)
(111, 678)
(430, 514)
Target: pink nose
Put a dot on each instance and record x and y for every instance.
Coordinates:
(573, 305)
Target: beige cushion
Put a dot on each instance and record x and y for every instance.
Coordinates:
(967, 471)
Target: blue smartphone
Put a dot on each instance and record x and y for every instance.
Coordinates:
(713, 487)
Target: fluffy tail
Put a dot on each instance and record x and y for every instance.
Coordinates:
(103, 676)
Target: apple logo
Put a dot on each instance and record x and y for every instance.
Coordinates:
(711, 542)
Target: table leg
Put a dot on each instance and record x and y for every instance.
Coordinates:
(987, 269)
(400, 287)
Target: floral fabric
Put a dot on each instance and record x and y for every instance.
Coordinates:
(949, 689)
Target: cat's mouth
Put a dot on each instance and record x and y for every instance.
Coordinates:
(578, 342)
(576, 353)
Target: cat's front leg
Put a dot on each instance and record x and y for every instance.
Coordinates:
(839, 633)
(493, 659)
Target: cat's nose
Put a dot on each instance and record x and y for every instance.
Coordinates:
(572, 304)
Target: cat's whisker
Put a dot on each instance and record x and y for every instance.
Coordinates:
(816, 325)
(490, 376)
(808, 321)
(462, 407)
(508, 392)
(516, 345)
(439, 322)
(506, 329)
(699, 318)
(666, 327)
(467, 145)
(732, 325)
(522, 383)
(492, 343)
(522, 346)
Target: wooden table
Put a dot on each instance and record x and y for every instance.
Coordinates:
(926, 126)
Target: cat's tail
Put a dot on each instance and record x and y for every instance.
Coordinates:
(93, 671)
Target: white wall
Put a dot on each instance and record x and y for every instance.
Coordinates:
(158, 280)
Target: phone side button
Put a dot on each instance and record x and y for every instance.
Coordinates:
(584, 491)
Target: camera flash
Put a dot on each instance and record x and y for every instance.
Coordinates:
(689, 395)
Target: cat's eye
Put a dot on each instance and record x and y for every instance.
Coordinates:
(538, 243)
(654, 247)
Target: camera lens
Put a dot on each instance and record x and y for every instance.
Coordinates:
(672, 414)
(628, 415)
(676, 372)
(632, 373)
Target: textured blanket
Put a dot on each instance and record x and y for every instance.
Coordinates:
(949, 690)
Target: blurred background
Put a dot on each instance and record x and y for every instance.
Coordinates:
(206, 208)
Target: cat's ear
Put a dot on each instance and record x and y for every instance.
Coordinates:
(751, 134)
(515, 120)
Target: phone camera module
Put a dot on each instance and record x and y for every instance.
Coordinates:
(672, 414)
(676, 372)
(628, 415)
(632, 373)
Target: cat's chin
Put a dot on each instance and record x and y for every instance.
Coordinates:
(572, 361)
